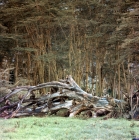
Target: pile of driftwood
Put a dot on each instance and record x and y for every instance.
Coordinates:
(64, 94)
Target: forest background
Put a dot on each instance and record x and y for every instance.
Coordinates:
(95, 41)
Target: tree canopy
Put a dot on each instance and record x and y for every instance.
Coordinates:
(94, 41)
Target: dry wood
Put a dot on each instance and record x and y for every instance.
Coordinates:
(64, 94)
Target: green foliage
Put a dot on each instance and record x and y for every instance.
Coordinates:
(69, 34)
(25, 49)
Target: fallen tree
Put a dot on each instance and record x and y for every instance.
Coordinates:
(64, 94)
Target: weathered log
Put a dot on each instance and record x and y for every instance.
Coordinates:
(77, 109)
(64, 94)
(8, 107)
(12, 92)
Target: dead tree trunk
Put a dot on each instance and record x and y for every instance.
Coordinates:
(64, 94)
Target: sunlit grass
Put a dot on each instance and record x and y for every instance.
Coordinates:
(59, 128)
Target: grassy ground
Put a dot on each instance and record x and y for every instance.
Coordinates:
(59, 128)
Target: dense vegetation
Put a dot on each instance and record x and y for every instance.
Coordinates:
(94, 41)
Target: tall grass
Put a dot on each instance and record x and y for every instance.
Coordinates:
(59, 128)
